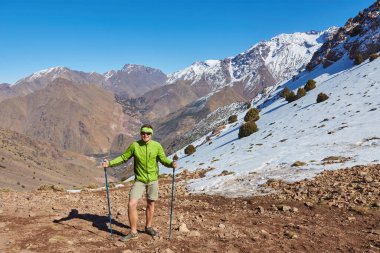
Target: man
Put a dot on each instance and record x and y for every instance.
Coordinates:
(146, 153)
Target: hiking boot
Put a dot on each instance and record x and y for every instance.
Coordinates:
(130, 236)
(151, 231)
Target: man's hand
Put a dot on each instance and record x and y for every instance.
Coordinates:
(174, 164)
(105, 163)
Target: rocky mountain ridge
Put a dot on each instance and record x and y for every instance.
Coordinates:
(359, 36)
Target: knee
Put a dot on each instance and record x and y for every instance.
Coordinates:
(150, 204)
(132, 204)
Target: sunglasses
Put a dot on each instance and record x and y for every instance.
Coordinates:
(143, 133)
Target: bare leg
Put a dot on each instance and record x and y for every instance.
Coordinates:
(132, 214)
(149, 212)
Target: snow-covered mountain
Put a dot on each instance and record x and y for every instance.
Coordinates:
(277, 60)
(341, 131)
(288, 54)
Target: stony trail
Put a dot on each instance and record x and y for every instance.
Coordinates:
(338, 211)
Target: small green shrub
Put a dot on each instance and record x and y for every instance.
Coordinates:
(298, 163)
(301, 93)
(373, 57)
(252, 115)
(358, 59)
(190, 150)
(247, 129)
(285, 92)
(291, 97)
(226, 173)
(322, 97)
(310, 84)
(232, 119)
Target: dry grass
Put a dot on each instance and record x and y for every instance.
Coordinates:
(49, 187)
(335, 159)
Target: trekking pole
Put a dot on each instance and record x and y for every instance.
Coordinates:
(171, 208)
(108, 201)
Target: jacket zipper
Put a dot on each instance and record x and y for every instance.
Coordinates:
(146, 162)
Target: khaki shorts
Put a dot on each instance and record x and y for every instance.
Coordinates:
(138, 189)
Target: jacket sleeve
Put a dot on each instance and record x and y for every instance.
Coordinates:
(162, 157)
(123, 157)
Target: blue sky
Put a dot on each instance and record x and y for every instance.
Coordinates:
(99, 35)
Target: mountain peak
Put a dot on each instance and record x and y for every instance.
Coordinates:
(56, 70)
(195, 71)
(43, 73)
(129, 68)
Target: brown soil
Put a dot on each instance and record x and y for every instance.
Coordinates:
(336, 212)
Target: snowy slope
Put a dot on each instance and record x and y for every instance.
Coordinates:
(345, 125)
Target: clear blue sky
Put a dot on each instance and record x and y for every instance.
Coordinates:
(99, 35)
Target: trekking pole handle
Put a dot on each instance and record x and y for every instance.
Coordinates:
(105, 161)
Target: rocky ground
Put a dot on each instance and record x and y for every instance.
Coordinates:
(338, 211)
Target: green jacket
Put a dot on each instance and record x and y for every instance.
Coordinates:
(146, 158)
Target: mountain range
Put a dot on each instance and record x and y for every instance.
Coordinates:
(174, 103)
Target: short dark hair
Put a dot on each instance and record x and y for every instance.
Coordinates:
(146, 125)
